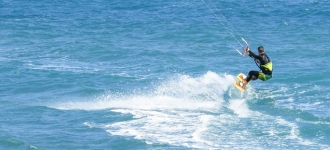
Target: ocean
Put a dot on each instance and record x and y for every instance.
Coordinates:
(142, 74)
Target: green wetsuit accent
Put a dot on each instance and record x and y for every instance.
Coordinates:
(265, 77)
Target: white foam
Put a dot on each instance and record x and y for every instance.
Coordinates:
(183, 92)
(294, 131)
(191, 112)
(179, 128)
(240, 108)
(172, 113)
(205, 121)
(138, 102)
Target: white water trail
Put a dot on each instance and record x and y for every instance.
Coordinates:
(205, 112)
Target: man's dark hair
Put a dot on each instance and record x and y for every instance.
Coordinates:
(261, 49)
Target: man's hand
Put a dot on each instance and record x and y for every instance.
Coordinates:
(247, 50)
(256, 60)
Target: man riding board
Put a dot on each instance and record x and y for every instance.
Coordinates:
(265, 66)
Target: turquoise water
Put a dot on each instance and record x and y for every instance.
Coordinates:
(159, 75)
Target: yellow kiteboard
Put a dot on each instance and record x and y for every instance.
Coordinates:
(240, 82)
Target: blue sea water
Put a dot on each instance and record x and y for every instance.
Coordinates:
(159, 74)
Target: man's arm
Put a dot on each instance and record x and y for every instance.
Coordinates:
(251, 54)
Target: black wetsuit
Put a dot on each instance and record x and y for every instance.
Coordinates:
(263, 59)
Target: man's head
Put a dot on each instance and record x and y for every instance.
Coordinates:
(261, 50)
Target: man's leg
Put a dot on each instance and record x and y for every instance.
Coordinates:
(253, 75)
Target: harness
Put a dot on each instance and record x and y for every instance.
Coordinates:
(268, 67)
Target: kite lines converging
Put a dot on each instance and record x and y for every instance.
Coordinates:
(227, 25)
